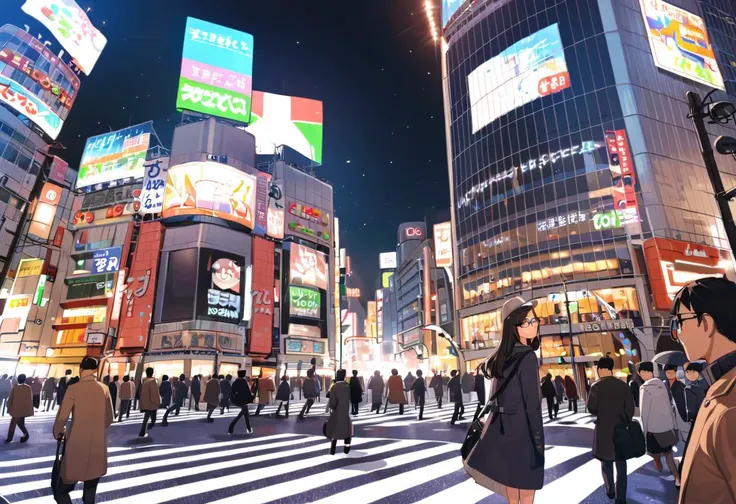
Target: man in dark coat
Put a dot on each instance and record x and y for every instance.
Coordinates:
(559, 388)
(456, 395)
(196, 391)
(550, 394)
(241, 397)
(467, 384)
(676, 389)
(437, 385)
(309, 391)
(479, 386)
(571, 391)
(375, 384)
(610, 400)
(114, 392)
(63, 384)
(695, 390)
(180, 395)
(225, 390)
(338, 425)
(165, 391)
(419, 387)
(49, 388)
(283, 394)
(5, 388)
(356, 392)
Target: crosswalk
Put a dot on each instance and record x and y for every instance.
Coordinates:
(297, 468)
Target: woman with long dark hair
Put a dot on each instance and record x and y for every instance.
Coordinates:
(509, 457)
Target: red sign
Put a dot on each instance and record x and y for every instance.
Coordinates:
(26, 66)
(259, 342)
(622, 168)
(140, 289)
(554, 83)
(58, 170)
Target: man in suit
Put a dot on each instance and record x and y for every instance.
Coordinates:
(241, 397)
(419, 387)
(20, 406)
(610, 400)
(180, 395)
(456, 395)
(150, 401)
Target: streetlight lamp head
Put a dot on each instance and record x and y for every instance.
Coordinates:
(725, 145)
(721, 112)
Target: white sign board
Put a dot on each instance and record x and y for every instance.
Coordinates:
(154, 185)
(387, 260)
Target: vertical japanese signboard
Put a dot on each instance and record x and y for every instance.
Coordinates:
(45, 211)
(216, 71)
(263, 181)
(259, 341)
(154, 186)
(442, 245)
(621, 164)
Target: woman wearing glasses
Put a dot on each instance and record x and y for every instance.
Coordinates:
(509, 457)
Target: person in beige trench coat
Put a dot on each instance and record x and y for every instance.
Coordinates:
(395, 391)
(212, 396)
(150, 401)
(85, 453)
(20, 406)
(265, 388)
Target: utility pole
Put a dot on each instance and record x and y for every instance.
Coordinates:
(698, 115)
(569, 331)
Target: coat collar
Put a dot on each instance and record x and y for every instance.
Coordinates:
(719, 368)
(723, 386)
(88, 378)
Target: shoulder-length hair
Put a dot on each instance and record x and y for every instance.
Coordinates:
(493, 366)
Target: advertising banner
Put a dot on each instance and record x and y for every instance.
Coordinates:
(71, 27)
(115, 156)
(449, 8)
(278, 120)
(45, 211)
(263, 180)
(300, 346)
(106, 260)
(154, 186)
(680, 43)
(529, 69)
(304, 302)
(275, 224)
(442, 245)
(305, 330)
(308, 220)
(387, 260)
(220, 278)
(58, 171)
(412, 231)
(216, 71)
(262, 282)
(212, 189)
(15, 314)
(624, 176)
(29, 267)
(307, 267)
(26, 103)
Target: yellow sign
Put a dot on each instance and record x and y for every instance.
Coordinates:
(29, 267)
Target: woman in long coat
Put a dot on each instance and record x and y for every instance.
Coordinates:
(396, 391)
(376, 385)
(338, 425)
(509, 457)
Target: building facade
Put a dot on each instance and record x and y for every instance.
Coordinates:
(569, 149)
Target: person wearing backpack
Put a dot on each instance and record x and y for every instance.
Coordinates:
(611, 402)
(241, 397)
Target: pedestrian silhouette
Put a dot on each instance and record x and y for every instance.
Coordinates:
(338, 425)
(150, 401)
(241, 397)
(20, 406)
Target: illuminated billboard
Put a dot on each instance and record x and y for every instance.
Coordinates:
(304, 302)
(531, 68)
(211, 189)
(680, 43)
(26, 103)
(220, 278)
(45, 211)
(71, 27)
(449, 8)
(216, 71)
(307, 267)
(287, 120)
(387, 260)
(442, 245)
(385, 276)
(115, 156)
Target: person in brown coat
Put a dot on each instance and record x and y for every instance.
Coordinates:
(20, 406)
(127, 393)
(704, 323)
(571, 391)
(212, 396)
(395, 394)
(265, 388)
(36, 386)
(85, 454)
(149, 400)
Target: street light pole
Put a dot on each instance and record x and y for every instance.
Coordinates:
(698, 115)
(569, 332)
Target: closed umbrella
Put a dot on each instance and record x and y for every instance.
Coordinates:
(670, 358)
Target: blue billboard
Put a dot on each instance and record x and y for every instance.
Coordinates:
(450, 7)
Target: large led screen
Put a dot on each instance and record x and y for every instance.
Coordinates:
(307, 267)
(26, 103)
(219, 295)
(529, 69)
(304, 302)
(211, 189)
(71, 27)
(450, 7)
(115, 156)
(216, 71)
(680, 43)
(287, 120)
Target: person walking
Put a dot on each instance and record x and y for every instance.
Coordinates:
(265, 387)
(150, 401)
(180, 395)
(694, 391)
(550, 394)
(376, 386)
(479, 385)
(309, 391)
(127, 393)
(466, 380)
(212, 396)
(408, 380)
(165, 391)
(676, 390)
(226, 390)
(241, 397)
(611, 402)
(437, 385)
(5, 388)
(283, 394)
(658, 419)
(196, 390)
(85, 454)
(571, 391)
(114, 385)
(395, 391)
(356, 393)
(634, 385)
(20, 406)
(456, 395)
(560, 389)
(338, 425)
(419, 388)
(509, 456)
(63, 384)
(49, 389)
(36, 387)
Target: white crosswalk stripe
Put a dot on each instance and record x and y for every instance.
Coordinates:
(285, 467)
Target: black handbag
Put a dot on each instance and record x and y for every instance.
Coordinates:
(56, 469)
(628, 441)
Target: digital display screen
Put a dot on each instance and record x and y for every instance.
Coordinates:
(308, 267)
(304, 302)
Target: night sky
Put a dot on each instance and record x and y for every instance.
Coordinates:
(372, 63)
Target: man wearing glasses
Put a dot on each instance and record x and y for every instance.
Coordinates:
(704, 322)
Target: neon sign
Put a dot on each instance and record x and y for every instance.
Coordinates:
(562, 220)
(607, 220)
(309, 213)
